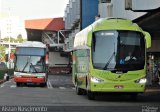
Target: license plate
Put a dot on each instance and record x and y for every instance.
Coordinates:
(29, 80)
(119, 86)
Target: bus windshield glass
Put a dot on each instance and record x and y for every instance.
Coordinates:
(31, 64)
(118, 50)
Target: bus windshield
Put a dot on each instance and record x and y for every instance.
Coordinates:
(118, 50)
(31, 64)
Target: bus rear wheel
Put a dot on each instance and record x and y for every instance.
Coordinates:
(79, 91)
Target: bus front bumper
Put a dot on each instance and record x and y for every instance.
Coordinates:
(117, 87)
(30, 79)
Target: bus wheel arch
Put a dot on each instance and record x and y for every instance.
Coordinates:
(90, 94)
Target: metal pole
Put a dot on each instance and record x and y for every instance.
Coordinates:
(58, 37)
(9, 46)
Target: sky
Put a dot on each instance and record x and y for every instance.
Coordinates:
(33, 9)
(27, 10)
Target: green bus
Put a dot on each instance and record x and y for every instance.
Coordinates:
(99, 58)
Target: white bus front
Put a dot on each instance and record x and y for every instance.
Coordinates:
(30, 66)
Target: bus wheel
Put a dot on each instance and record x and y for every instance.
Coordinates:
(18, 84)
(90, 95)
(79, 91)
(43, 84)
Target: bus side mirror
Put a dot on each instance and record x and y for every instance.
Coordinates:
(148, 39)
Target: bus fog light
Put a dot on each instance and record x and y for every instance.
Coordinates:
(96, 80)
(141, 81)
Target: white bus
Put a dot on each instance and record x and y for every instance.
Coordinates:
(31, 59)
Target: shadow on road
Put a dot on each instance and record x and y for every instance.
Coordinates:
(61, 80)
(146, 97)
(31, 85)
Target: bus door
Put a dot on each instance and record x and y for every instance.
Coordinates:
(82, 66)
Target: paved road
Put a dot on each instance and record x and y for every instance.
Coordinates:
(60, 92)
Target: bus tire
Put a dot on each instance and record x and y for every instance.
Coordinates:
(18, 84)
(79, 91)
(43, 84)
(90, 95)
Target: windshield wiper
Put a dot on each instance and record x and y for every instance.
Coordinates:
(33, 67)
(25, 66)
(108, 62)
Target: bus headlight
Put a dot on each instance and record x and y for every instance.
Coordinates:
(96, 80)
(141, 81)
(40, 76)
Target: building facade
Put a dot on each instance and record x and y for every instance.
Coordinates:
(51, 32)
(146, 13)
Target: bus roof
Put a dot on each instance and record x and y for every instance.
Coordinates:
(32, 44)
(115, 24)
(83, 38)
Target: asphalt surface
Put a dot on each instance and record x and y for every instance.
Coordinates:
(60, 96)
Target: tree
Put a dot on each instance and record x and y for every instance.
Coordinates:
(2, 52)
(6, 39)
(20, 38)
(12, 39)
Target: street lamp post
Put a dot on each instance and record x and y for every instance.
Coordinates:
(9, 35)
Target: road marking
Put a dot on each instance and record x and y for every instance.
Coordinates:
(2, 85)
(62, 88)
(13, 86)
(5, 83)
(49, 85)
(24, 87)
